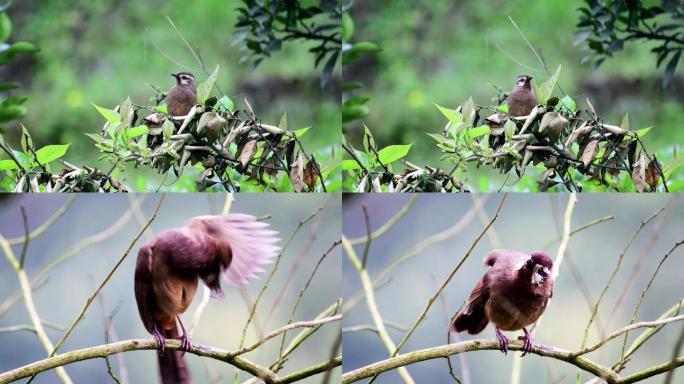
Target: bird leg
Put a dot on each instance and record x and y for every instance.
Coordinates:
(159, 338)
(527, 340)
(503, 341)
(185, 339)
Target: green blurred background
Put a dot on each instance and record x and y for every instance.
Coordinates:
(101, 51)
(61, 294)
(526, 222)
(444, 52)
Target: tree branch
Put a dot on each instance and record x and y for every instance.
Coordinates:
(445, 351)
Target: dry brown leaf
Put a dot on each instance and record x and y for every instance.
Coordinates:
(653, 173)
(247, 152)
(590, 151)
(639, 174)
(311, 172)
(297, 174)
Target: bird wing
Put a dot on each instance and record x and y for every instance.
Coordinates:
(251, 243)
(144, 296)
(478, 297)
(472, 316)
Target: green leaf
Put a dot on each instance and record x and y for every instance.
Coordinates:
(368, 140)
(453, 116)
(167, 129)
(568, 103)
(226, 103)
(6, 165)
(283, 122)
(5, 27)
(97, 138)
(439, 138)
(300, 132)
(502, 108)
(625, 122)
(8, 86)
(11, 112)
(643, 131)
(26, 141)
(351, 85)
(347, 165)
(50, 153)
(468, 113)
(161, 108)
(350, 113)
(136, 131)
(204, 88)
(108, 114)
(392, 153)
(364, 46)
(545, 90)
(347, 27)
(23, 47)
(478, 131)
(509, 129)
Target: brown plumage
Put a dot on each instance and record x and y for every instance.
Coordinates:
(522, 98)
(169, 266)
(512, 295)
(182, 96)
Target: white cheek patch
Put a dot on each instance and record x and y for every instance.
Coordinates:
(520, 83)
(537, 279)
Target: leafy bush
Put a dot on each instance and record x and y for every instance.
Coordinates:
(265, 26)
(606, 26)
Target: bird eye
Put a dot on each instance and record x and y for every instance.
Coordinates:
(542, 273)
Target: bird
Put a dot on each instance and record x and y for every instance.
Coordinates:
(522, 98)
(169, 266)
(512, 294)
(182, 96)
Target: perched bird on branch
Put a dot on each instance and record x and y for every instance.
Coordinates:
(234, 246)
(512, 295)
(182, 96)
(522, 98)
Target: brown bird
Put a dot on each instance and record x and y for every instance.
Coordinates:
(522, 98)
(169, 266)
(182, 96)
(512, 295)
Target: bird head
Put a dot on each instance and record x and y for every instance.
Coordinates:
(184, 78)
(523, 81)
(540, 265)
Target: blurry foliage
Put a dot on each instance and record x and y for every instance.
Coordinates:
(264, 25)
(353, 104)
(607, 25)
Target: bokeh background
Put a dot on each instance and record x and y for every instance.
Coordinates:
(102, 51)
(66, 287)
(526, 222)
(445, 51)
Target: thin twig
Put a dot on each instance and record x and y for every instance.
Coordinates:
(388, 224)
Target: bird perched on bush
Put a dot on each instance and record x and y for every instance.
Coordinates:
(522, 98)
(169, 266)
(512, 295)
(182, 96)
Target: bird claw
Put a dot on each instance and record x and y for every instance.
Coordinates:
(159, 338)
(185, 343)
(527, 342)
(503, 341)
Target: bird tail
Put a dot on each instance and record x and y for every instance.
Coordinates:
(474, 321)
(172, 367)
(251, 243)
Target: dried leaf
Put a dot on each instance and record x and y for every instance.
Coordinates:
(248, 152)
(297, 174)
(639, 174)
(311, 173)
(653, 173)
(591, 109)
(590, 151)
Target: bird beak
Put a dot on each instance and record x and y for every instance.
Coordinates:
(544, 272)
(175, 75)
